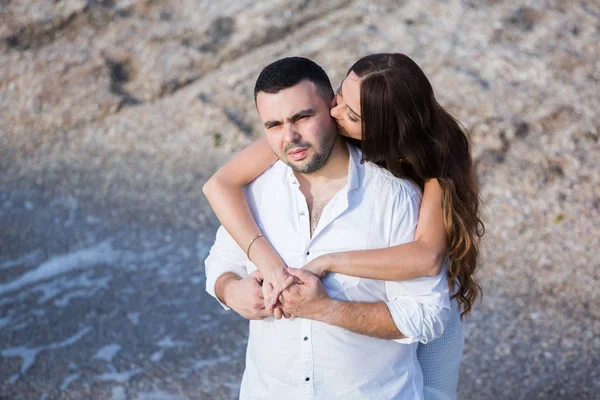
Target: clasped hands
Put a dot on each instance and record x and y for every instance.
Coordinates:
(299, 292)
(302, 296)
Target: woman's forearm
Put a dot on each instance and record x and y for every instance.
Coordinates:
(231, 208)
(403, 262)
(225, 193)
(423, 257)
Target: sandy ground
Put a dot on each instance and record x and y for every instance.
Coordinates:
(114, 113)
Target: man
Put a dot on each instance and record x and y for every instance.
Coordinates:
(353, 338)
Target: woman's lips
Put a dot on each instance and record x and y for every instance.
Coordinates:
(297, 154)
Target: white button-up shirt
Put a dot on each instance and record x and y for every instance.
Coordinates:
(304, 359)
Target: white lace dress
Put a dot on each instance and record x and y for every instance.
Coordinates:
(440, 359)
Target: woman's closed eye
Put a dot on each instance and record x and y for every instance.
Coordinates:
(351, 118)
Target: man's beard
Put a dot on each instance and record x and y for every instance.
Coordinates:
(319, 157)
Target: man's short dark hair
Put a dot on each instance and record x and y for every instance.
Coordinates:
(290, 71)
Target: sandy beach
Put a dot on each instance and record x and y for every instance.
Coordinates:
(113, 113)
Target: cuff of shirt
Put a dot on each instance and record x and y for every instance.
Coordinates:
(211, 282)
(417, 321)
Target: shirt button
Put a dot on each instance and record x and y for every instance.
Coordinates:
(307, 379)
(305, 338)
(301, 212)
(308, 253)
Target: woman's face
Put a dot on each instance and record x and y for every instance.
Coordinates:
(347, 110)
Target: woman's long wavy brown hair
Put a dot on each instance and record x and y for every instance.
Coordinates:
(406, 131)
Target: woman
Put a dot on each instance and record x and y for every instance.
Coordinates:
(388, 104)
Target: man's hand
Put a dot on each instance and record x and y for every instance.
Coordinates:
(244, 296)
(306, 299)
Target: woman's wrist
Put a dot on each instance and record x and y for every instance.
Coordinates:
(334, 261)
(265, 257)
(274, 271)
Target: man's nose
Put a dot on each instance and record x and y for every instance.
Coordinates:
(290, 133)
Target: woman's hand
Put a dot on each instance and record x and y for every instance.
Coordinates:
(320, 266)
(274, 284)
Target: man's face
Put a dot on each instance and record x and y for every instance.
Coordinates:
(298, 126)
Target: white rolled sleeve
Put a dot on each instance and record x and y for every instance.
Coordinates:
(417, 318)
(225, 256)
(420, 307)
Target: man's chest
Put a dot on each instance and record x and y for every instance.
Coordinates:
(341, 223)
(316, 203)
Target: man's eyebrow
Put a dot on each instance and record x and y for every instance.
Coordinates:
(270, 124)
(302, 113)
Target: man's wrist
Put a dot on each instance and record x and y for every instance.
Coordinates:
(326, 310)
(223, 286)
